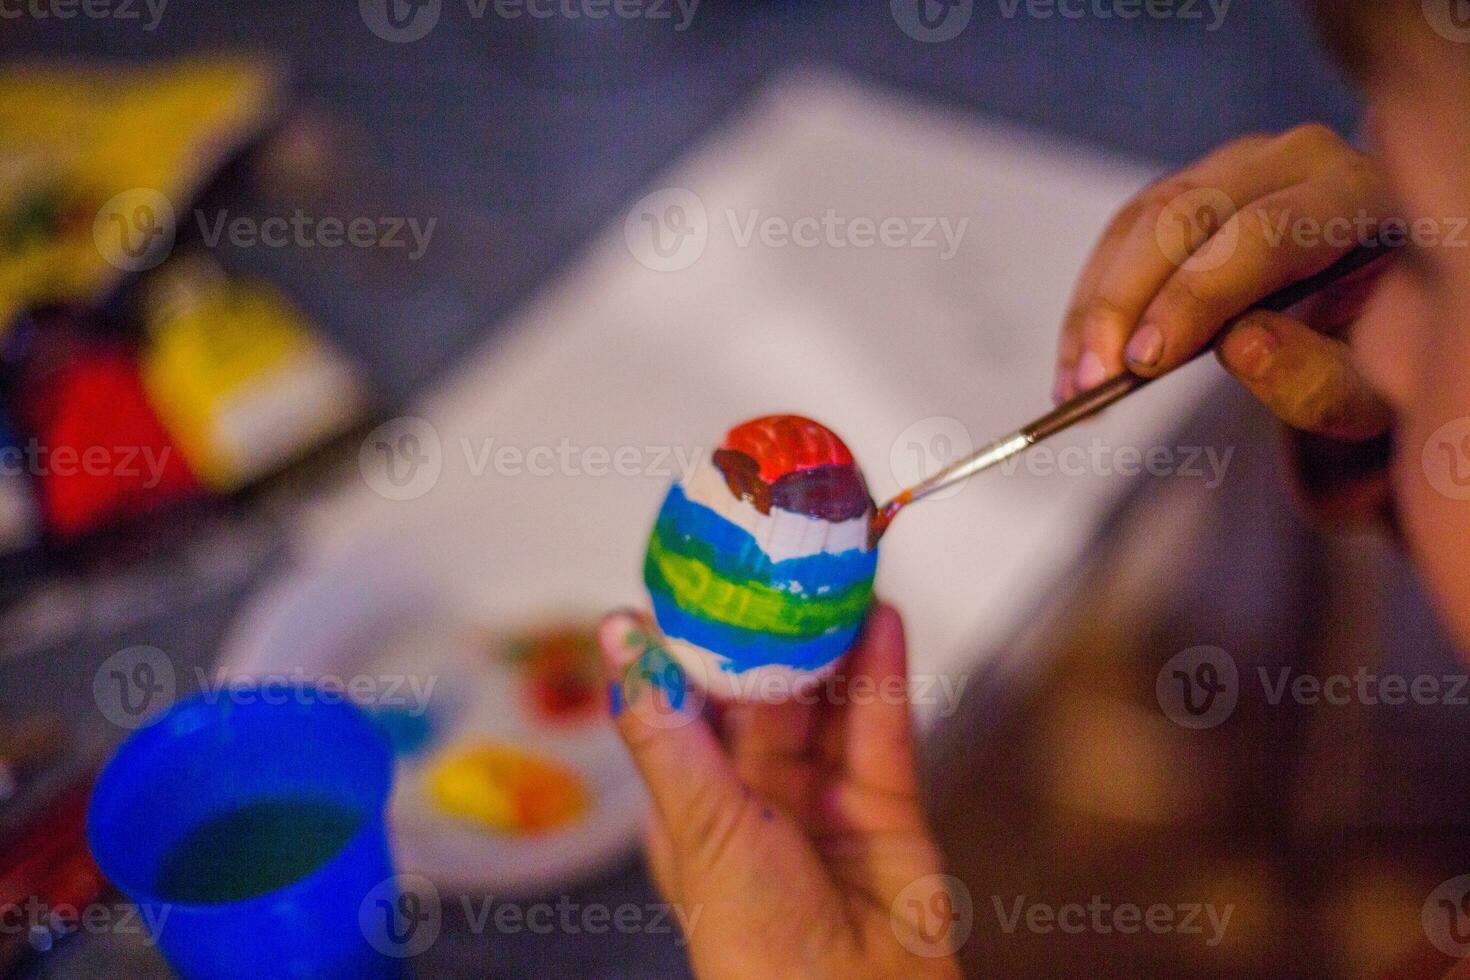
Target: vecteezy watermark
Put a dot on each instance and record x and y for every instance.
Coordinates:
(403, 459)
(932, 21)
(655, 686)
(943, 692)
(135, 230)
(402, 21)
(403, 917)
(1099, 916)
(678, 13)
(120, 10)
(1446, 917)
(1210, 13)
(133, 685)
(407, 693)
(926, 447)
(1364, 687)
(1199, 687)
(930, 445)
(665, 691)
(43, 923)
(1194, 230)
(133, 462)
(1200, 229)
(1206, 463)
(1344, 232)
(837, 231)
(306, 231)
(669, 230)
(568, 458)
(1446, 459)
(932, 916)
(1449, 18)
(568, 917)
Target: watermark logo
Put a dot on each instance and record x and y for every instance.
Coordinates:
(571, 918)
(1362, 229)
(403, 21)
(1446, 917)
(43, 924)
(134, 230)
(925, 448)
(838, 231)
(656, 687)
(1199, 687)
(400, 21)
(401, 459)
(405, 457)
(569, 459)
(134, 684)
(1205, 463)
(147, 464)
(1100, 916)
(942, 692)
(303, 231)
(667, 231)
(932, 444)
(1365, 688)
(1180, 10)
(933, 916)
(679, 13)
(932, 21)
(120, 10)
(409, 694)
(1449, 18)
(1446, 459)
(1194, 230)
(401, 916)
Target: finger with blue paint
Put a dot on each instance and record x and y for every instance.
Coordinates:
(777, 822)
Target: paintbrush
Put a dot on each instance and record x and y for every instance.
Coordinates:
(1089, 403)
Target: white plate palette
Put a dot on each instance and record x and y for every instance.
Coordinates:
(434, 671)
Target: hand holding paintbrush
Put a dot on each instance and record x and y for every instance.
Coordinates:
(1090, 402)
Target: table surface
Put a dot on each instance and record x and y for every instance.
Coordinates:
(525, 143)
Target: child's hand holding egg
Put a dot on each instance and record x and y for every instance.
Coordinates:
(759, 565)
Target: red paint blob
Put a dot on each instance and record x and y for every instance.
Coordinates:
(784, 444)
(795, 464)
(106, 455)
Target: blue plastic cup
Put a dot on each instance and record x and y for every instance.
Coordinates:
(248, 827)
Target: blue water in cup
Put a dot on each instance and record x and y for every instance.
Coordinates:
(248, 826)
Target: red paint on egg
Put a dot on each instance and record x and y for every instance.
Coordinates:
(784, 444)
(795, 464)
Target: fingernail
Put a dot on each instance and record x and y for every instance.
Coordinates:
(1090, 371)
(621, 637)
(1251, 350)
(1059, 387)
(1146, 346)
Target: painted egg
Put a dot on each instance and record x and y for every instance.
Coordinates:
(759, 564)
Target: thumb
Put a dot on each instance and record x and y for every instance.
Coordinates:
(1306, 378)
(700, 802)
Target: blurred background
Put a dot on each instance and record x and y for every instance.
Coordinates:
(262, 263)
